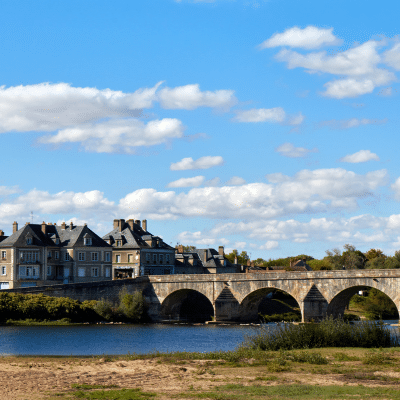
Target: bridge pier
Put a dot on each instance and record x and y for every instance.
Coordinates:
(314, 306)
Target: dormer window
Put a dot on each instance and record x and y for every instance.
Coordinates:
(87, 241)
(29, 240)
(57, 241)
(119, 243)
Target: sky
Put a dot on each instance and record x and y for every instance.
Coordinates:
(264, 126)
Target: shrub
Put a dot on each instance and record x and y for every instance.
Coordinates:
(328, 333)
(132, 306)
(104, 308)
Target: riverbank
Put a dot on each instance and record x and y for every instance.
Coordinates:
(337, 373)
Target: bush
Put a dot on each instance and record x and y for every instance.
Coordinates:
(328, 333)
(286, 317)
(132, 306)
(104, 308)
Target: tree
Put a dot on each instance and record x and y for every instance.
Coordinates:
(351, 258)
(374, 253)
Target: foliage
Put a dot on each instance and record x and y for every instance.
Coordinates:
(351, 258)
(320, 265)
(374, 253)
(132, 306)
(242, 258)
(287, 317)
(328, 333)
(105, 309)
(187, 248)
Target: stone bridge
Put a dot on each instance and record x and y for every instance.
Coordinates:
(236, 297)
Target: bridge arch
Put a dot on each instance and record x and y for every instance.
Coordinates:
(249, 307)
(338, 303)
(187, 305)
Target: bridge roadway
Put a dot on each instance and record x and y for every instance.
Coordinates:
(236, 297)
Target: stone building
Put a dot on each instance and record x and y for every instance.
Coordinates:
(45, 254)
(203, 261)
(136, 252)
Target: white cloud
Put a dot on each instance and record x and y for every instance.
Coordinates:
(307, 192)
(187, 182)
(276, 114)
(396, 188)
(310, 37)
(296, 119)
(269, 245)
(392, 57)
(289, 150)
(235, 180)
(213, 182)
(360, 156)
(189, 97)
(118, 135)
(357, 67)
(48, 107)
(201, 163)
(351, 123)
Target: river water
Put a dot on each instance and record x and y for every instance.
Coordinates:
(119, 339)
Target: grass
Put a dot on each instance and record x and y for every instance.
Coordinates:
(296, 391)
(86, 391)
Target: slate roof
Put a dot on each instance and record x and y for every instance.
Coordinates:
(213, 258)
(135, 239)
(68, 237)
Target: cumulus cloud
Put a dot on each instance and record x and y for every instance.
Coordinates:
(351, 123)
(213, 182)
(357, 68)
(310, 37)
(187, 182)
(276, 114)
(118, 135)
(296, 119)
(235, 180)
(189, 97)
(289, 150)
(48, 107)
(307, 192)
(360, 156)
(396, 188)
(201, 163)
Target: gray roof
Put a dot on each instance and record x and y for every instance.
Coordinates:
(68, 237)
(133, 239)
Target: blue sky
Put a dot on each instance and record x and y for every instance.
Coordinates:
(265, 126)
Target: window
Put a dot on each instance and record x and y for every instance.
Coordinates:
(118, 258)
(167, 258)
(161, 258)
(119, 242)
(57, 241)
(49, 270)
(154, 258)
(87, 241)
(29, 240)
(56, 255)
(3, 270)
(108, 272)
(49, 254)
(29, 256)
(66, 257)
(148, 257)
(130, 258)
(81, 272)
(95, 272)
(108, 256)
(81, 256)
(3, 255)
(95, 256)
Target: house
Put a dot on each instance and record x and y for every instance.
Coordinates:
(203, 261)
(136, 252)
(45, 254)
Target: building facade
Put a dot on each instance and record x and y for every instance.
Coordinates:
(136, 252)
(45, 254)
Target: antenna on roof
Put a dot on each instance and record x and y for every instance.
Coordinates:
(31, 217)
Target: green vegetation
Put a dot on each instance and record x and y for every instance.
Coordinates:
(39, 309)
(296, 391)
(285, 317)
(86, 391)
(328, 333)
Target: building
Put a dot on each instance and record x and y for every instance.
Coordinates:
(45, 254)
(203, 261)
(136, 252)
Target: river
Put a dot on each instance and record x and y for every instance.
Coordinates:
(119, 339)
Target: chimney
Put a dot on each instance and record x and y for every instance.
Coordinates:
(1, 233)
(236, 260)
(221, 250)
(121, 224)
(137, 222)
(144, 225)
(248, 263)
(63, 226)
(130, 223)
(180, 249)
(116, 223)
(15, 226)
(71, 225)
(205, 255)
(44, 227)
